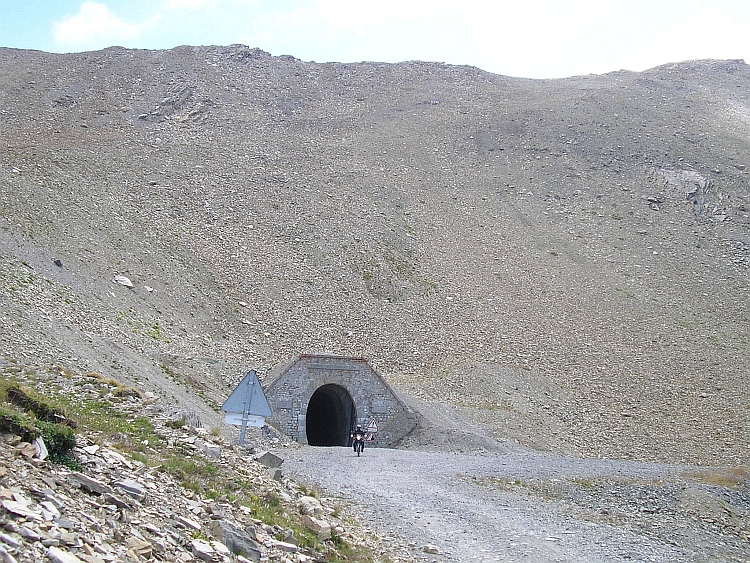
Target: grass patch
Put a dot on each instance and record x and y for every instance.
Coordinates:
(729, 477)
(196, 475)
(56, 417)
(128, 433)
(29, 401)
(119, 390)
(30, 415)
(17, 422)
(343, 552)
(268, 507)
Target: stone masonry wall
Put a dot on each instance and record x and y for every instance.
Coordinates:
(289, 395)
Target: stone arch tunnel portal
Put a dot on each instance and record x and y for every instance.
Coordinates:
(318, 398)
(330, 416)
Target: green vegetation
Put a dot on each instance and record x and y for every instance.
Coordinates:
(345, 552)
(16, 275)
(409, 229)
(24, 412)
(383, 270)
(60, 441)
(139, 326)
(308, 492)
(120, 390)
(196, 475)
(29, 413)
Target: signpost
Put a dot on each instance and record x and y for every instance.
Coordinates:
(371, 430)
(247, 405)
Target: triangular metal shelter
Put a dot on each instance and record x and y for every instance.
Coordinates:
(247, 405)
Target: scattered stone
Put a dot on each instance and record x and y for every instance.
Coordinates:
(57, 555)
(319, 527)
(141, 547)
(211, 450)
(124, 280)
(89, 484)
(131, 488)
(149, 398)
(40, 448)
(21, 509)
(6, 557)
(269, 459)
(188, 523)
(417, 221)
(237, 540)
(26, 449)
(202, 550)
(49, 509)
(283, 546)
(9, 540)
(309, 505)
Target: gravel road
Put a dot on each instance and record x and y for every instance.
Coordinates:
(531, 507)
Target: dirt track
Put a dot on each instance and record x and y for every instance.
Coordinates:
(531, 507)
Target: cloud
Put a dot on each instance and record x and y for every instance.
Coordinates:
(186, 4)
(94, 26)
(534, 38)
(545, 38)
(345, 14)
(701, 34)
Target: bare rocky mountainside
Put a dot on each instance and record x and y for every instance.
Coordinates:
(559, 263)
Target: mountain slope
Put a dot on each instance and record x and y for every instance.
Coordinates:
(564, 261)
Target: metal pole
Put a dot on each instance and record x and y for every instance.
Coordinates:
(246, 407)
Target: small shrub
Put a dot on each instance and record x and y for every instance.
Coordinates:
(176, 424)
(60, 441)
(123, 391)
(268, 508)
(308, 492)
(340, 551)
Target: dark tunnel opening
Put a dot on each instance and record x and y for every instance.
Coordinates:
(330, 415)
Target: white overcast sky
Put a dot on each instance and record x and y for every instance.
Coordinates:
(526, 38)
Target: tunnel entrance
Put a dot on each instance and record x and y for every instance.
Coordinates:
(317, 398)
(330, 416)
